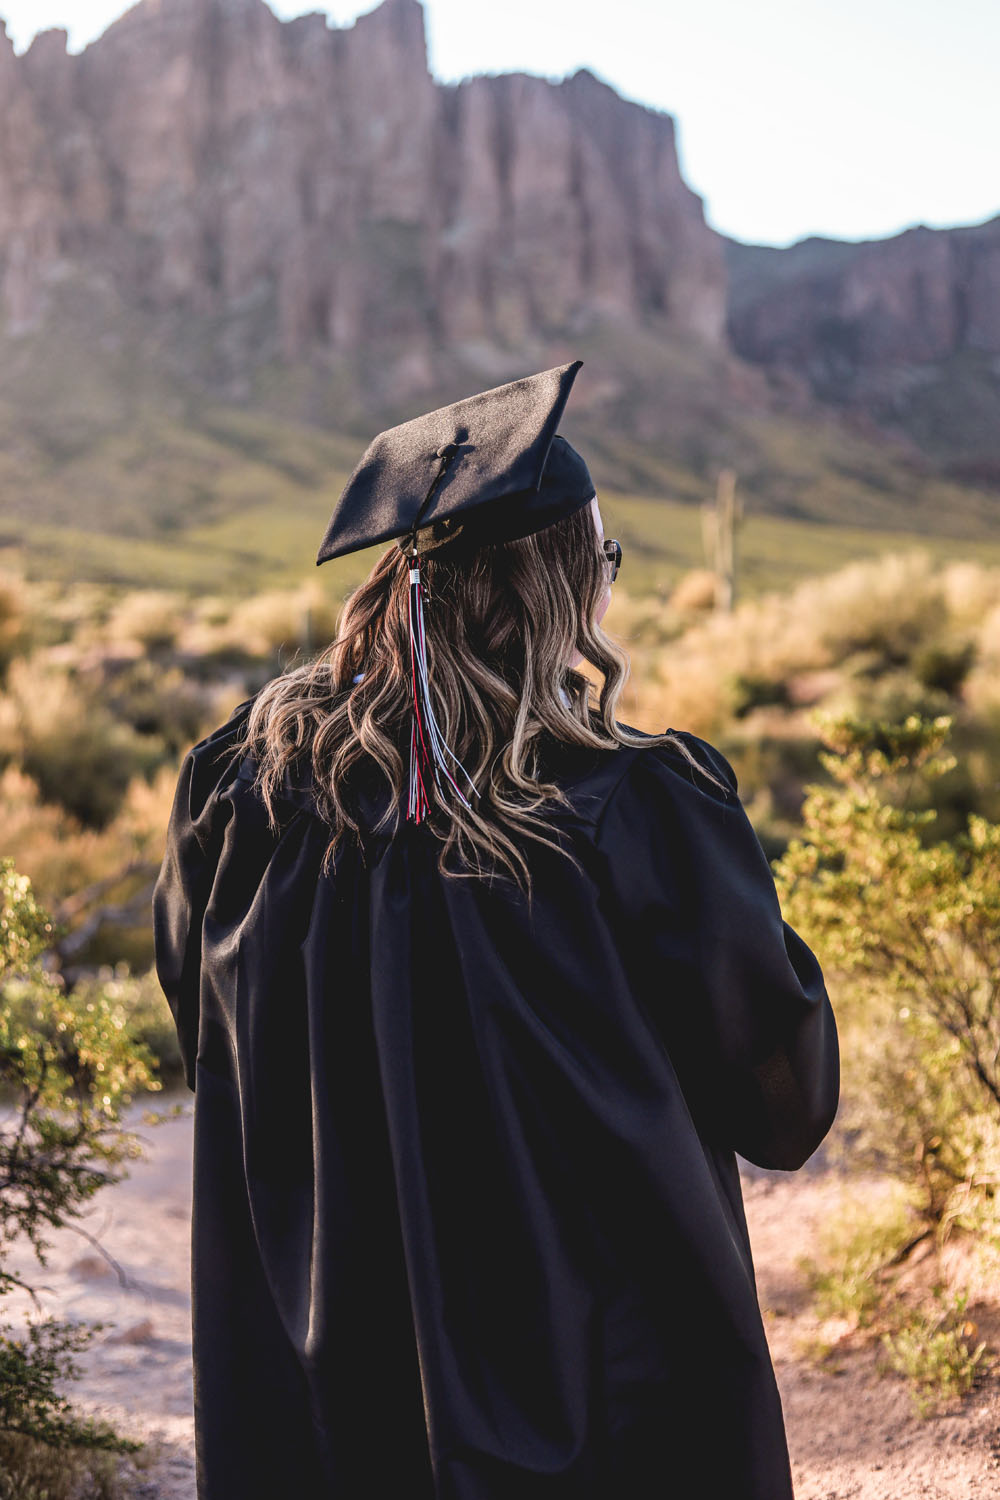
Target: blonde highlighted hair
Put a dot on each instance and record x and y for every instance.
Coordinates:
(502, 626)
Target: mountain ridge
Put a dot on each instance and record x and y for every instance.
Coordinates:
(209, 206)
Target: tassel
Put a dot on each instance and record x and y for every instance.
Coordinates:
(429, 754)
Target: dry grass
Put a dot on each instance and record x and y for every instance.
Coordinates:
(694, 668)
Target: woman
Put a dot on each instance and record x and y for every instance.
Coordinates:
(479, 992)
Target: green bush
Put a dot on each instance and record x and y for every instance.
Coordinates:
(855, 1250)
(750, 691)
(908, 931)
(31, 1470)
(911, 929)
(944, 665)
(147, 1014)
(68, 1064)
(936, 1350)
(33, 1364)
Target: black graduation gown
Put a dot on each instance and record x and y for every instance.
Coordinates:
(467, 1216)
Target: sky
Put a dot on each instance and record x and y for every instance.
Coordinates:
(848, 118)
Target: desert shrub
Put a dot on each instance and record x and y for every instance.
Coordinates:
(750, 691)
(909, 935)
(34, 1362)
(76, 870)
(12, 619)
(881, 638)
(970, 591)
(912, 929)
(856, 1277)
(695, 680)
(642, 621)
(936, 1349)
(33, 1470)
(68, 1065)
(695, 591)
(855, 1249)
(223, 658)
(70, 743)
(140, 1001)
(78, 612)
(877, 613)
(203, 625)
(157, 700)
(79, 872)
(150, 616)
(893, 694)
(771, 762)
(890, 604)
(982, 684)
(685, 691)
(286, 620)
(908, 930)
(944, 665)
(263, 632)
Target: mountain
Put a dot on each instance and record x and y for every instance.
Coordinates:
(315, 190)
(231, 245)
(904, 332)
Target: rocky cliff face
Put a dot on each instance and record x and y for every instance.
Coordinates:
(905, 330)
(829, 306)
(297, 217)
(304, 188)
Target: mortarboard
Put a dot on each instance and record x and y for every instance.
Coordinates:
(488, 468)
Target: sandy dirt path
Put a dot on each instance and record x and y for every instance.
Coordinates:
(852, 1435)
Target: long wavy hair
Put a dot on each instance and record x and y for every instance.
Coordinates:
(502, 626)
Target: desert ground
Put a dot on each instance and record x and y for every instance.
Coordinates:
(852, 1434)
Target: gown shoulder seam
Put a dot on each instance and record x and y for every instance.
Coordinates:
(639, 752)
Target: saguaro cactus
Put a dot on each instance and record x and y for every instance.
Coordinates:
(720, 518)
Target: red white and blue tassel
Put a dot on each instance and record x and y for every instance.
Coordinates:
(429, 754)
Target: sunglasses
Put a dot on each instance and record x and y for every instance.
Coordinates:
(613, 553)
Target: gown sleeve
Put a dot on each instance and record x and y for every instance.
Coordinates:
(184, 884)
(735, 995)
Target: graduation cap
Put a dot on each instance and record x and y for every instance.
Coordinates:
(488, 468)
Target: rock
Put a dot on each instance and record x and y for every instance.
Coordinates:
(137, 1333)
(92, 1268)
(905, 330)
(216, 194)
(317, 190)
(827, 307)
